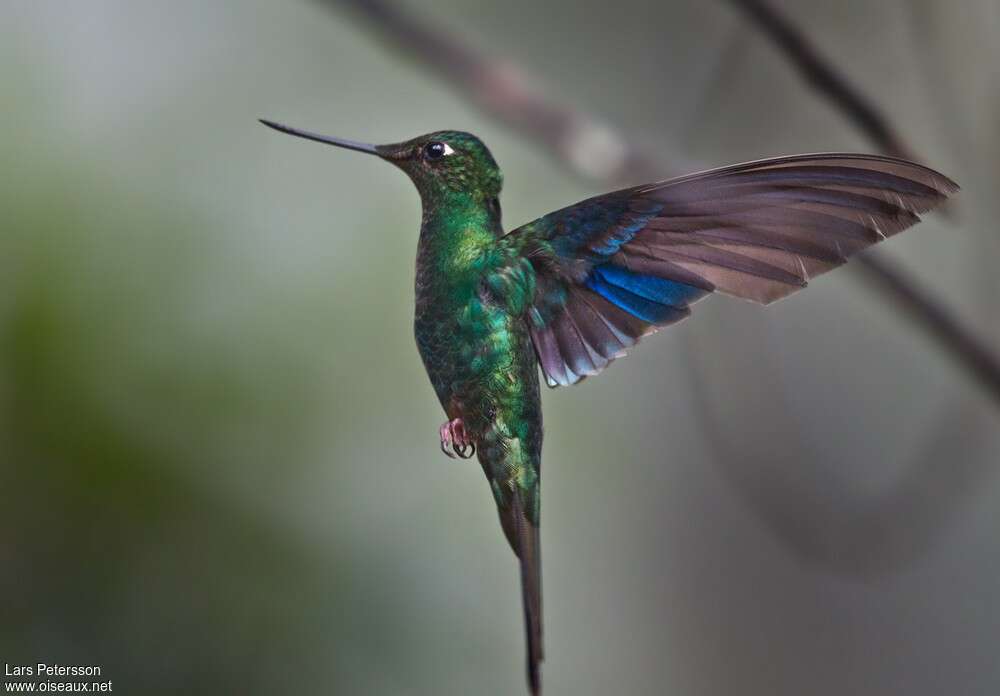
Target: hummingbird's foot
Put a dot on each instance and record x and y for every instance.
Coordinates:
(455, 440)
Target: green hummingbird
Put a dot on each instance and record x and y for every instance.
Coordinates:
(575, 289)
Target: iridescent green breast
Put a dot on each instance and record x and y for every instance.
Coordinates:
(478, 354)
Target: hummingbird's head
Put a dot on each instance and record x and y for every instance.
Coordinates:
(438, 163)
(446, 161)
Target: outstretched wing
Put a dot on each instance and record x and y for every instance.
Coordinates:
(616, 267)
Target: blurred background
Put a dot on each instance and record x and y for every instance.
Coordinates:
(218, 449)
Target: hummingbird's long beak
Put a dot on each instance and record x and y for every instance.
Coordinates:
(339, 142)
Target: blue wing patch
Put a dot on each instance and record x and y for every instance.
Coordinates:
(652, 299)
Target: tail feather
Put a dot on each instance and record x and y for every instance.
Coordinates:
(525, 541)
(531, 596)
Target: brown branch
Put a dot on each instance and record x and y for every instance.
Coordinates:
(935, 319)
(889, 276)
(823, 77)
(597, 152)
(506, 93)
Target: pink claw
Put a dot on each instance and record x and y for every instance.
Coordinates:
(455, 439)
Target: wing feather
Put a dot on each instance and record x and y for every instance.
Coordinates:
(616, 267)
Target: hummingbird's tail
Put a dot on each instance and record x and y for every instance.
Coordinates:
(512, 466)
(524, 539)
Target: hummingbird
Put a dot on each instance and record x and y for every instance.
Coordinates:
(575, 289)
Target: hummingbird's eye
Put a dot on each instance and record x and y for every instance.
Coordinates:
(437, 150)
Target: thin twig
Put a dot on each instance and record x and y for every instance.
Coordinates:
(506, 93)
(595, 151)
(936, 320)
(919, 305)
(820, 73)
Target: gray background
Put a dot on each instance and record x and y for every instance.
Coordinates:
(218, 449)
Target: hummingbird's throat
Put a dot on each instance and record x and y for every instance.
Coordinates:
(447, 213)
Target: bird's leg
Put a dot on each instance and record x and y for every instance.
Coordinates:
(455, 440)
